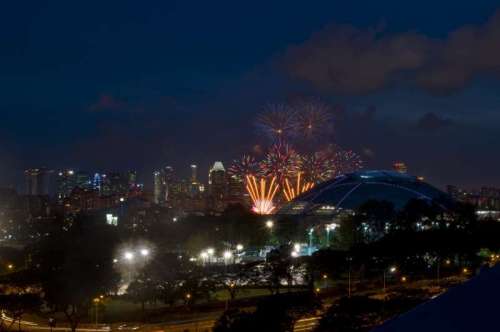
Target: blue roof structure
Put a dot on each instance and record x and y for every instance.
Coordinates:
(349, 191)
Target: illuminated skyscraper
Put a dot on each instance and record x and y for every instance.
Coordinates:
(194, 171)
(162, 184)
(37, 181)
(157, 187)
(132, 179)
(217, 186)
(97, 182)
(69, 179)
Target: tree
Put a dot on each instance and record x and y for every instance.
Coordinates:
(278, 266)
(17, 305)
(361, 313)
(277, 313)
(234, 320)
(76, 266)
(157, 279)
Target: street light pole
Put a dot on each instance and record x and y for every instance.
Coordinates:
(327, 236)
(392, 269)
(96, 303)
(311, 231)
(349, 276)
(384, 281)
(438, 271)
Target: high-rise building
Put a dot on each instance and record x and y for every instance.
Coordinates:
(194, 170)
(400, 167)
(37, 181)
(69, 179)
(132, 179)
(163, 184)
(97, 182)
(236, 191)
(118, 184)
(217, 186)
(157, 187)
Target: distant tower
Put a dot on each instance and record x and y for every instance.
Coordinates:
(400, 167)
(132, 179)
(167, 182)
(194, 171)
(97, 182)
(217, 185)
(37, 181)
(66, 182)
(162, 183)
(157, 186)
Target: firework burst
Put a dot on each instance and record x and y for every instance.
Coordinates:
(278, 122)
(292, 191)
(347, 161)
(318, 166)
(242, 167)
(281, 162)
(314, 119)
(262, 195)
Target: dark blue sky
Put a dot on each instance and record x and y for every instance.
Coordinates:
(127, 84)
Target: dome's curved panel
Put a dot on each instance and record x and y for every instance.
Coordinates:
(348, 192)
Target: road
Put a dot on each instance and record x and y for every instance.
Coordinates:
(303, 325)
(201, 325)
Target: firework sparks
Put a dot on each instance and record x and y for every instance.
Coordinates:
(262, 197)
(318, 166)
(290, 192)
(347, 161)
(281, 162)
(314, 119)
(278, 122)
(243, 167)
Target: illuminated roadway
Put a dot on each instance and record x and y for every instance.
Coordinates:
(302, 325)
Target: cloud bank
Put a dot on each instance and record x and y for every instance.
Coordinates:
(347, 60)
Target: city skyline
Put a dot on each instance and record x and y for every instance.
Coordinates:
(93, 105)
(249, 166)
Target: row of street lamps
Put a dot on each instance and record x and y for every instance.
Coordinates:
(208, 255)
(129, 256)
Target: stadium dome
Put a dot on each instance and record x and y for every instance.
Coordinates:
(349, 191)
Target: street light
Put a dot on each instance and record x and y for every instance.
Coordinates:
(204, 256)
(227, 254)
(295, 254)
(311, 233)
(239, 247)
(210, 254)
(144, 252)
(270, 224)
(129, 256)
(329, 227)
(96, 302)
(392, 269)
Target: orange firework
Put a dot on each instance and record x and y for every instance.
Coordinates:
(262, 197)
(299, 188)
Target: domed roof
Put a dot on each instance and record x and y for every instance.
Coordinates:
(349, 191)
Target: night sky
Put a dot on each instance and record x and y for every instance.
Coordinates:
(116, 85)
